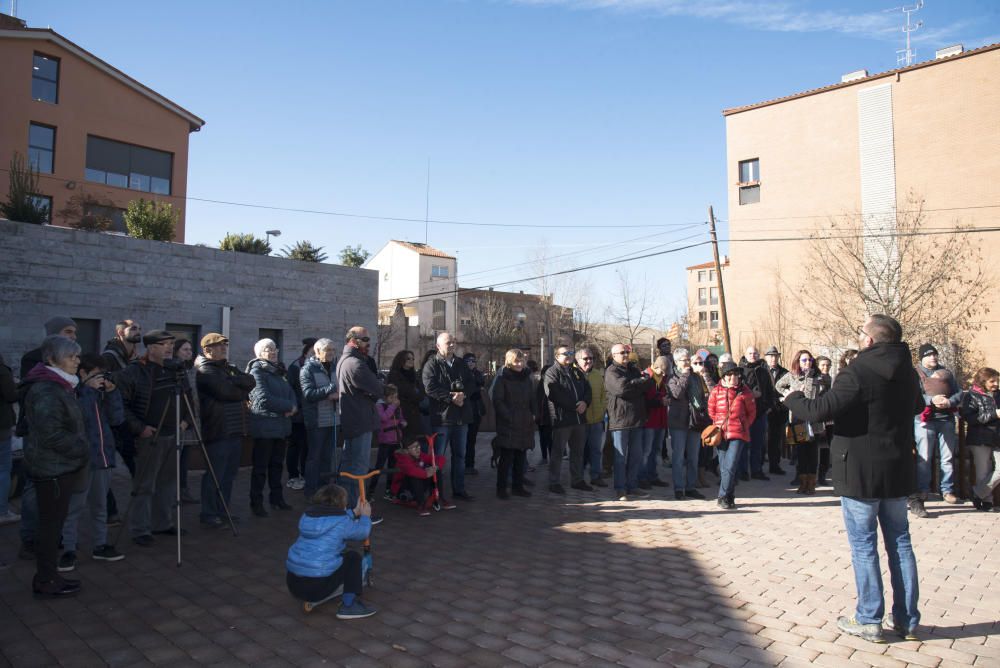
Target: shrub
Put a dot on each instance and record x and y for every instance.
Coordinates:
(305, 251)
(150, 220)
(353, 256)
(245, 243)
(21, 204)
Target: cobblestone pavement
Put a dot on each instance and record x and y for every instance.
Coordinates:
(579, 580)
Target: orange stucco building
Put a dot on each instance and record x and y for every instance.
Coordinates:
(862, 146)
(92, 132)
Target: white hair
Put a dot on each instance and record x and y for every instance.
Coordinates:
(258, 348)
(725, 357)
(322, 344)
(56, 348)
(681, 352)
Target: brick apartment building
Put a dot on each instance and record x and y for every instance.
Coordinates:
(98, 138)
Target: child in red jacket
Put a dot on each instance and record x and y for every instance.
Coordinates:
(732, 409)
(415, 481)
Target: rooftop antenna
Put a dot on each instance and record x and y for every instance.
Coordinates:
(13, 8)
(905, 57)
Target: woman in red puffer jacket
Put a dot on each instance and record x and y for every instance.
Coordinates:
(731, 407)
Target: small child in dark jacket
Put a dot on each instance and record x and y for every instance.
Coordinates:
(318, 566)
(102, 408)
(415, 481)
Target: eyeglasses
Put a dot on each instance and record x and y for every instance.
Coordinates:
(567, 353)
(363, 339)
(621, 352)
(586, 359)
(861, 330)
(697, 363)
(805, 359)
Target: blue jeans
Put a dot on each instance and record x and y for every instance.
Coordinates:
(357, 459)
(752, 458)
(90, 504)
(862, 518)
(592, 453)
(29, 512)
(651, 440)
(321, 457)
(729, 455)
(685, 444)
(224, 455)
(454, 435)
(628, 458)
(940, 435)
(5, 466)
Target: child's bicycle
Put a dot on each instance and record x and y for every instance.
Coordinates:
(366, 546)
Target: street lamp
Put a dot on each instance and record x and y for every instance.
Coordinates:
(272, 233)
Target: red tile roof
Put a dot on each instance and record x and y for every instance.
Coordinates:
(707, 265)
(423, 249)
(870, 77)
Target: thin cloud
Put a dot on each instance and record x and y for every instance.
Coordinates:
(770, 16)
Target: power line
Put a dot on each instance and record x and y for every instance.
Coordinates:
(861, 215)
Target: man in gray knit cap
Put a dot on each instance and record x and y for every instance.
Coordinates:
(59, 324)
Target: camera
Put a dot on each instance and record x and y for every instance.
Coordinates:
(457, 386)
(173, 364)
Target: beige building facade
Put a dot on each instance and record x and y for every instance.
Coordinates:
(704, 325)
(97, 137)
(866, 148)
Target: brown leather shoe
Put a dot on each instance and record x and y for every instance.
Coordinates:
(951, 498)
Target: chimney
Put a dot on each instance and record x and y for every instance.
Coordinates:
(854, 76)
(11, 23)
(952, 50)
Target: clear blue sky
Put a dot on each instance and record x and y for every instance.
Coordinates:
(538, 112)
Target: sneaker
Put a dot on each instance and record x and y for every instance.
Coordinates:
(620, 493)
(296, 483)
(144, 540)
(899, 630)
(582, 485)
(599, 482)
(949, 497)
(679, 495)
(723, 503)
(979, 504)
(9, 517)
(67, 562)
(694, 494)
(639, 493)
(356, 610)
(387, 495)
(557, 489)
(445, 504)
(424, 513)
(869, 632)
(917, 508)
(114, 521)
(376, 518)
(106, 553)
(212, 523)
(465, 496)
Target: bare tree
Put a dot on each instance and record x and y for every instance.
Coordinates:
(491, 324)
(930, 279)
(775, 326)
(629, 309)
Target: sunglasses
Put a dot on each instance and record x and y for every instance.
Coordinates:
(586, 359)
(363, 339)
(697, 363)
(567, 353)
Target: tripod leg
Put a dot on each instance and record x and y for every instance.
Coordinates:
(177, 463)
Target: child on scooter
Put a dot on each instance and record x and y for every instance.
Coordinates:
(318, 566)
(417, 479)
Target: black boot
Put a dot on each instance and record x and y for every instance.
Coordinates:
(257, 507)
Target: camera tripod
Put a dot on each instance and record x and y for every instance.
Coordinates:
(180, 394)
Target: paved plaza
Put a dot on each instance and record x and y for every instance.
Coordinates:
(580, 580)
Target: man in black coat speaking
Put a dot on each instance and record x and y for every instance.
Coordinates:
(872, 404)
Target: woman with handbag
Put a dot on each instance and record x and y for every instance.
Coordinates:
(805, 436)
(732, 409)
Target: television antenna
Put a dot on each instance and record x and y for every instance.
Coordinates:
(905, 57)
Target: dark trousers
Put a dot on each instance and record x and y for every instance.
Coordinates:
(808, 461)
(53, 495)
(510, 466)
(298, 447)
(383, 460)
(776, 423)
(268, 460)
(224, 456)
(317, 589)
(470, 445)
(126, 448)
(545, 440)
(419, 488)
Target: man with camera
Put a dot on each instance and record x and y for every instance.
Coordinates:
(148, 387)
(223, 391)
(445, 379)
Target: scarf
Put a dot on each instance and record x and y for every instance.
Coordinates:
(70, 378)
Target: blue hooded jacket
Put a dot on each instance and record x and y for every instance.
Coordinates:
(323, 535)
(101, 411)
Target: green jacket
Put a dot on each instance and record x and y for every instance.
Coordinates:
(56, 442)
(599, 401)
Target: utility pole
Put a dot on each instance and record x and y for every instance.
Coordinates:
(718, 280)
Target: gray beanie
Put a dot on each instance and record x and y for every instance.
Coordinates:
(58, 323)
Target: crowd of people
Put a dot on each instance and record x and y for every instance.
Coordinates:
(327, 413)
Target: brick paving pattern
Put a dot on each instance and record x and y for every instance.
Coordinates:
(580, 580)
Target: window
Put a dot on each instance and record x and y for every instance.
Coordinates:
(190, 332)
(713, 296)
(439, 314)
(439, 271)
(714, 320)
(45, 79)
(43, 202)
(541, 329)
(750, 170)
(126, 166)
(749, 194)
(701, 276)
(702, 320)
(711, 275)
(702, 296)
(466, 322)
(273, 334)
(519, 319)
(88, 334)
(114, 214)
(41, 147)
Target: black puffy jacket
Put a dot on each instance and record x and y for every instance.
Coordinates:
(438, 377)
(979, 408)
(223, 391)
(56, 441)
(626, 391)
(270, 399)
(564, 387)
